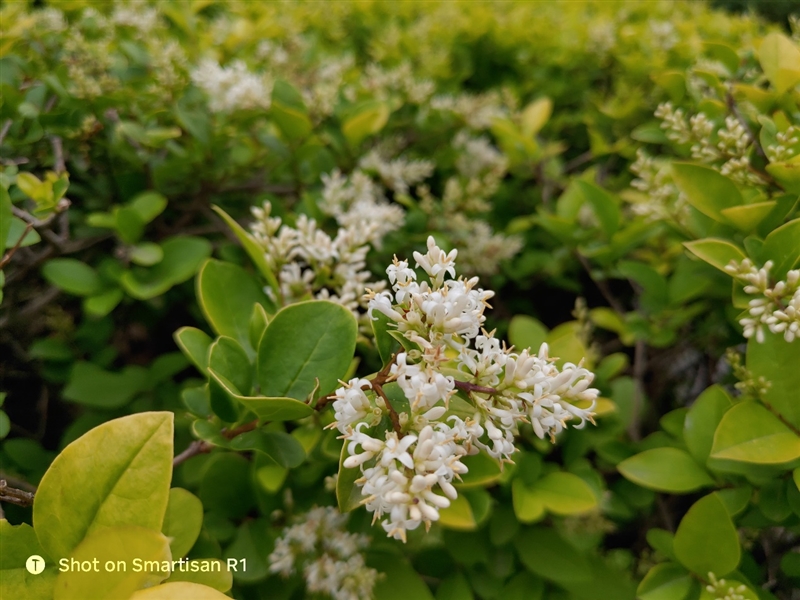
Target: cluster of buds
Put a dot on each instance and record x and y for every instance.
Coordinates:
(233, 87)
(721, 590)
(457, 391)
(329, 557)
(777, 306)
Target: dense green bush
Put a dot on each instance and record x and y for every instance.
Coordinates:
(210, 353)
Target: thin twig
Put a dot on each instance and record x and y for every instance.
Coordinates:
(204, 447)
(58, 154)
(392, 412)
(471, 387)
(602, 286)
(14, 495)
(781, 418)
(7, 258)
(5, 129)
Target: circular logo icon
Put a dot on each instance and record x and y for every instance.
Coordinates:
(34, 564)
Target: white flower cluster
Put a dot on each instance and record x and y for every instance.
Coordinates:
(311, 264)
(328, 556)
(720, 590)
(728, 144)
(139, 16)
(662, 198)
(401, 80)
(396, 174)
(408, 470)
(233, 87)
(478, 110)
(785, 146)
(777, 306)
(358, 203)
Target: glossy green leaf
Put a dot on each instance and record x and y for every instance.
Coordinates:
(748, 432)
(526, 332)
(293, 122)
(182, 521)
(535, 115)
(18, 543)
(780, 59)
(746, 218)
(259, 319)
(103, 303)
(400, 581)
(459, 515)
(116, 474)
(776, 361)
(702, 420)
(253, 249)
(564, 494)
(384, 342)
(666, 581)
(278, 445)
(72, 276)
(665, 470)
(113, 547)
(483, 471)
(368, 120)
(528, 506)
(146, 254)
(194, 344)
(782, 246)
(706, 540)
(182, 257)
(15, 231)
(226, 294)
(706, 189)
(305, 345)
(148, 205)
(604, 205)
(718, 253)
(266, 408)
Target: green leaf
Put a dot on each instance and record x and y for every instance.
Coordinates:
(526, 332)
(116, 474)
(665, 470)
(148, 205)
(564, 494)
(706, 540)
(528, 506)
(146, 254)
(385, 343)
(266, 408)
(194, 344)
(226, 294)
(776, 361)
(782, 246)
(780, 59)
(226, 486)
(718, 253)
(604, 205)
(747, 217)
(92, 386)
(348, 494)
(535, 115)
(545, 553)
(292, 121)
(129, 224)
(458, 515)
(278, 445)
(748, 432)
(102, 304)
(227, 358)
(207, 572)
(483, 472)
(117, 546)
(400, 580)
(182, 521)
(182, 257)
(306, 344)
(15, 232)
(706, 189)
(367, 120)
(253, 249)
(702, 420)
(666, 581)
(180, 590)
(72, 276)
(18, 543)
(259, 319)
(787, 173)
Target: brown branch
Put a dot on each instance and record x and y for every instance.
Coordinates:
(204, 447)
(58, 155)
(7, 258)
(392, 412)
(4, 130)
(471, 387)
(15, 495)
